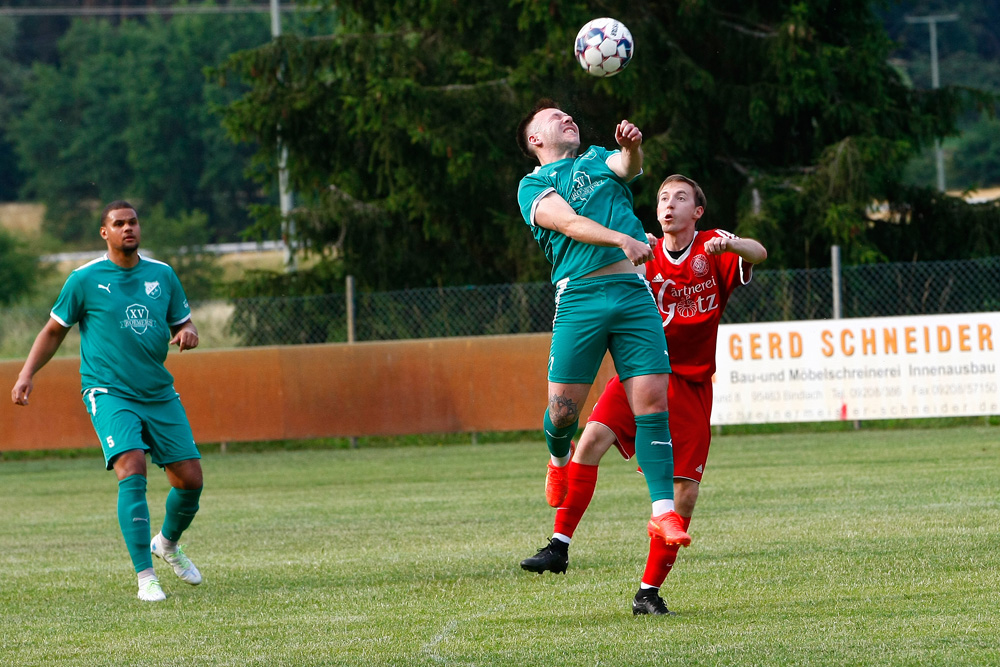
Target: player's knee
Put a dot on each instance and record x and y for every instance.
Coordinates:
(128, 463)
(651, 404)
(565, 421)
(563, 416)
(186, 475)
(191, 483)
(193, 480)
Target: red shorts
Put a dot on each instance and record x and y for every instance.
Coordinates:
(690, 405)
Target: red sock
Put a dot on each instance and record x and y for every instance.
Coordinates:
(661, 559)
(582, 481)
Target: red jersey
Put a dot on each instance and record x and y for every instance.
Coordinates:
(691, 293)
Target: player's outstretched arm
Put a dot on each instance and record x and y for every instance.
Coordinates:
(750, 250)
(628, 163)
(185, 335)
(553, 212)
(46, 343)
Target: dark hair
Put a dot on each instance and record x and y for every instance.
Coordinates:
(522, 127)
(114, 206)
(699, 196)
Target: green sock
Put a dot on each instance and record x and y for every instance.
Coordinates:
(558, 439)
(655, 454)
(182, 505)
(133, 518)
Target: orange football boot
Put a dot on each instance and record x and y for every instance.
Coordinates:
(669, 527)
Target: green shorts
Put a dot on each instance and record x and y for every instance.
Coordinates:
(614, 313)
(159, 427)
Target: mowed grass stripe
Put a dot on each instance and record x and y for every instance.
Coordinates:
(871, 547)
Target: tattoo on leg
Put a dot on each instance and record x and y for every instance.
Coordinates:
(563, 411)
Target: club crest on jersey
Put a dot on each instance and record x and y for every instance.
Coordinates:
(699, 265)
(583, 187)
(137, 319)
(153, 289)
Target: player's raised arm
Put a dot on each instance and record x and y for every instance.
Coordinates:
(628, 163)
(46, 343)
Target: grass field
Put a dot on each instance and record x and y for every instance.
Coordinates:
(860, 548)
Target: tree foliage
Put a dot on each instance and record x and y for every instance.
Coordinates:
(975, 161)
(126, 112)
(924, 224)
(399, 125)
(19, 269)
(180, 242)
(12, 75)
(398, 128)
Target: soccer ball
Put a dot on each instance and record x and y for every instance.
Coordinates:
(604, 47)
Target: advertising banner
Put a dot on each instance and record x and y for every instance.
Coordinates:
(856, 369)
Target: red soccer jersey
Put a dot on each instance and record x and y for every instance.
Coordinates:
(691, 293)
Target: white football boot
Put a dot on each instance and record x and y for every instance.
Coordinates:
(183, 567)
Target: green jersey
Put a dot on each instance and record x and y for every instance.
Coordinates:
(594, 191)
(125, 317)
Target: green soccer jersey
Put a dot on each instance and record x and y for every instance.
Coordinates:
(125, 317)
(594, 191)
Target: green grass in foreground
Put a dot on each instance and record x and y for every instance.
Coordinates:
(854, 548)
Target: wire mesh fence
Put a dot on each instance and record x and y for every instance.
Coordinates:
(882, 290)
(802, 294)
(774, 295)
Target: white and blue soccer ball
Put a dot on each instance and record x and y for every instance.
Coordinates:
(604, 47)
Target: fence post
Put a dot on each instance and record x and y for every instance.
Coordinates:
(835, 275)
(349, 298)
(837, 309)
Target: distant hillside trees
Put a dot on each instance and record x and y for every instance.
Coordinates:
(968, 55)
(127, 112)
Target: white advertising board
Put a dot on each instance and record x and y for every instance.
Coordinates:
(865, 368)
